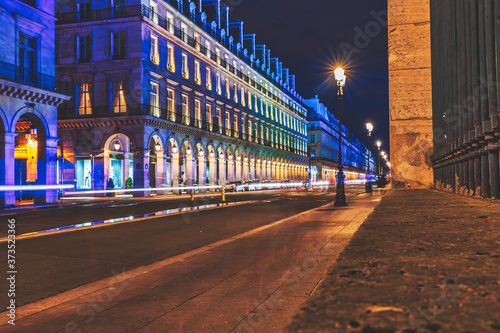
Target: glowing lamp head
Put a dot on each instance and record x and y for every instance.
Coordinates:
(174, 149)
(238, 158)
(258, 161)
(188, 151)
(340, 77)
(201, 153)
(369, 126)
(379, 143)
(157, 146)
(211, 154)
(116, 145)
(221, 156)
(230, 157)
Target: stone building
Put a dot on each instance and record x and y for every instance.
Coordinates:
(323, 136)
(172, 92)
(29, 96)
(410, 93)
(465, 74)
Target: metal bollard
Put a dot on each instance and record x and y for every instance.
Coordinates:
(192, 194)
(223, 194)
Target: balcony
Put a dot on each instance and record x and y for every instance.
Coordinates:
(34, 79)
(31, 3)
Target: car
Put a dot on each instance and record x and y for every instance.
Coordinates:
(234, 186)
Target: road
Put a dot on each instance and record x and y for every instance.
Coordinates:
(202, 271)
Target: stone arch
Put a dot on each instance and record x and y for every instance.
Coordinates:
(34, 115)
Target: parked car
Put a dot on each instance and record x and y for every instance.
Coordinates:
(234, 186)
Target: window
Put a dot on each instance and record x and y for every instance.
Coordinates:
(226, 59)
(27, 58)
(313, 153)
(117, 11)
(261, 132)
(118, 93)
(249, 100)
(219, 89)
(235, 89)
(208, 114)
(197, 41)
(154, 56)
(83, 48)
(84, 100)
(217, 52)
(243, 96)
(170, 23)
(209, 78)
(117, 45)
(235, 123)
(219, 116)
(197, 73)
(154, 12)
(228, 120)
(207, 46)
(185, 110)
(185, 69)
(312, 138)
(197, 113)
(171, 104)
(249, 127)
(84, 11)
(228, 90)
(243, 127)
(183, 32)
(170, 58)
(154, 99)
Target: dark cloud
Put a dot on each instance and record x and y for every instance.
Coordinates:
(308, 37)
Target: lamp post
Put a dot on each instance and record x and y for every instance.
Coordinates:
(369, 128)
(340, 77)
(379, 144)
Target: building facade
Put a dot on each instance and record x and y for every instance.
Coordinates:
(169, 93)
(29, 96)
(323, 142)
(465, 74)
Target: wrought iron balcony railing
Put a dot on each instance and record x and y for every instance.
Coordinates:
(34, 79)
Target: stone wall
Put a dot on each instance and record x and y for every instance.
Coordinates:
(410, 93)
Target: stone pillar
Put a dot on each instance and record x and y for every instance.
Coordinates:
(493, 169)
(286, 171)
(160, 170)
(472, 184)
(465, 181)
(202, 172)
(270, 173)
(7, 169)
(410, 92)
(245, 169)
(51, 169)
(258, 174)
(230, 170)
(188, 162)
(238, 169)
(485, 175)
(141, 172)
(252, 169)
(477, 172)
(222, 172)
(211, 167)
(174, 169)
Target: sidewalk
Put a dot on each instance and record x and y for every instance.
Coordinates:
(424, 261)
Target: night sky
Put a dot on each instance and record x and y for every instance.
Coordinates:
(309, 37)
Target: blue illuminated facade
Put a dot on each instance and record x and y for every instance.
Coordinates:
(323, 136)
(173, 92)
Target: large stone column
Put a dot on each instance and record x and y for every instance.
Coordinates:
(174, 169)
(160, 170)
(230, 170)
(238, 169)
(222, 171)
(188, 162)
(252, 169)
(202, 172)
(211, 167)
(7, 169)
(141, 172)
(410, 92)
(258, 174)
(245, 169)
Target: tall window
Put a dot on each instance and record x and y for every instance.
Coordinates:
(208, 114)
(185, 109)
(261, 132)
(243, 96)
(84, 11)
(84, 100)
(243, 127)
(154, 12)
(117, 45)
(235, 123)
(184, 32)
(154, 56)
(197, 113)
(197, 72)
(170, 58)
(207, 46)
(185, 69)
(249, 100)
(117, 5)
(235, 89)
(118, 93)
(228, 89)
(170, 23)
(83, 48)
(228, 120)
(171, 104)
(27, 58)
(154, 100)
(219, 88)
(209, 78)
(219, 116)
(197, 41)
(217, 52)
(249, 126)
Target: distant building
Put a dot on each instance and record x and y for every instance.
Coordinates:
(173, 92)
(323, 142)
(29, 96)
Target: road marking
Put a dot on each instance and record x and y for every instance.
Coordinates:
(66, 296)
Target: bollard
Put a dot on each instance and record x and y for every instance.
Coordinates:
(223, 194)
(192, 194)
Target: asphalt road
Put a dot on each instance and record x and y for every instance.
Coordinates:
(52, 264)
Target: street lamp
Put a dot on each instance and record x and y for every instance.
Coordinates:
(369, 128)
(340, 77)
(379, 144)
